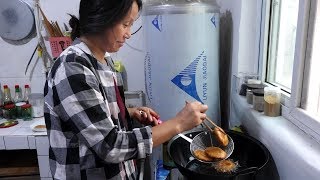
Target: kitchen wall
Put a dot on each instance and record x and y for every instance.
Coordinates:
(14, 59)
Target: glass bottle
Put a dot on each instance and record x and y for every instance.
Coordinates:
(26, 94)
(1, 102)
(18, 94)
(6, 95)
(1, 96)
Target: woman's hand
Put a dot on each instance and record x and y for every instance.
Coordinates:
(191, 115)
(144, 115)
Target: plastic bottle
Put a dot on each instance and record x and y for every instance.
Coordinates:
(1, 102)
(26, 94)
(1, 98)
(6, 95)
(18, 94)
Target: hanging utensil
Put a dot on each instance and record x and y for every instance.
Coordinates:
(25, 72)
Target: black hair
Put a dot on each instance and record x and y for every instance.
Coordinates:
(95, 16)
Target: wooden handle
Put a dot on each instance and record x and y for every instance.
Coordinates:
(47, 24)
(216, 126)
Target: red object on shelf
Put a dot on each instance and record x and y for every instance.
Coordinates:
(59, 44)
(8, 124)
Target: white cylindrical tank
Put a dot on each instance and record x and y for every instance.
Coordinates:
(182, 60)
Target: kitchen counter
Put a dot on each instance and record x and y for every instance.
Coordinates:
(21, 136)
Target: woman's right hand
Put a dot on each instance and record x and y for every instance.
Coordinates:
(191, 115)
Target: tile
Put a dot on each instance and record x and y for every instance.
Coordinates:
(32, 142)
(2, 146)
(44, 166)
(42, 145)
(16, 142)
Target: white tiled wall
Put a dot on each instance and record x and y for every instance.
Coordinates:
(32, 142)
(16, 142)
(44, 166)
(2, 146)
(42, 144)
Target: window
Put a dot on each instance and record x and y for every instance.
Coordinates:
(293, 59)
(311, 83)
(282, 37)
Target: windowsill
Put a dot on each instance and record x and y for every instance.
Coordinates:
(296, 154)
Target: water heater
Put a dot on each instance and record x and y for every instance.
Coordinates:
(182, 59)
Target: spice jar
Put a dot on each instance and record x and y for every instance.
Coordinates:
(9, 111)
(249, 96)
(26, 112)
(251, 87)
(18, 109)
(258, 99)
(272, 97)
(1, 111)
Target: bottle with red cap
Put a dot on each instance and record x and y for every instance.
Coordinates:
(27, 92)
(1, 102)
(18, 94)
(6, 95)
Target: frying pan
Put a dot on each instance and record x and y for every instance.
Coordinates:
(254, 159)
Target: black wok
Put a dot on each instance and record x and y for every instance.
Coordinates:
(254, 159)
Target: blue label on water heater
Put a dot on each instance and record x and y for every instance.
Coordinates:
(157, 22)
(213, 20)
(186, 79)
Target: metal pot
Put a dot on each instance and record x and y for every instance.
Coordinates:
(254, 159)
(17, 22)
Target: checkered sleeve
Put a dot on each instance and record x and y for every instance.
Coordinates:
(80, 104)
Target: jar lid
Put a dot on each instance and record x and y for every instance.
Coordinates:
(26, 106)
(20, 103)
(9, 106)
(255, 86)
(258, 92)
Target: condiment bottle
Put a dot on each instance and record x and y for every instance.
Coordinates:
(26, 112)
(272, 97)
(1, 96)
(1, 102)
(17, 95)
(6, 95)
(9, 111)
(26, 94)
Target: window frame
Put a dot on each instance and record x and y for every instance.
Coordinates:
(291, 103)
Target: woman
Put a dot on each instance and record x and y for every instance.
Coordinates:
(89, 129)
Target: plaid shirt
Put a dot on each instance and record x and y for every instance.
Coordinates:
(87, 137)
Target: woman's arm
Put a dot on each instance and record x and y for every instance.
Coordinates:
(189, 117)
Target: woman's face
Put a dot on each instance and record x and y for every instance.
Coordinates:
(116, 36)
